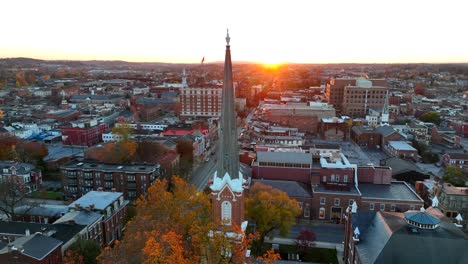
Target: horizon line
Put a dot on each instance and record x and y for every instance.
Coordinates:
(220, 61)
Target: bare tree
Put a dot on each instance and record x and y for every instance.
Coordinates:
(14, 197)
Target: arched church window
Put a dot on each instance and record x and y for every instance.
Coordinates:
(226, 213)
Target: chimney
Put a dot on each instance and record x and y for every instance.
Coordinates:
(28, 233)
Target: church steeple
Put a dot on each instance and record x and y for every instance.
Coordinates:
(228, 162)
(227, 190)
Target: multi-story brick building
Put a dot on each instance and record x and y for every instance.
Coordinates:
(354, 97)
(200, 102)
(111, 205)
(304, 116)
(133, 180)
(400, 149)
(335, 182)
(335, 129)
(145, 109)
(366, 137)
(283, 164)
(83, 132)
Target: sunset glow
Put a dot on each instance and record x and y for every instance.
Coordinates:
(262, 31)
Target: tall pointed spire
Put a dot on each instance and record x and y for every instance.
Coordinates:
(228, 162)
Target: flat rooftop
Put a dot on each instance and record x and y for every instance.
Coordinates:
(292, 188)
(397, 190)
(92, 166)
(322, 189)
(99, 199)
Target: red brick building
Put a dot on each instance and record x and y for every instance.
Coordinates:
(145, 109)
(456, 159)
(112, 206)
(366, 137)
(335, 129)
(83, 133)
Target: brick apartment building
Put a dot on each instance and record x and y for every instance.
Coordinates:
(354, 97)
(133, 180)
(400, 149)
(83, 132)
(200, 102)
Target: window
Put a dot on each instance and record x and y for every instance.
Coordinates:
(322, 200)
(382, 207)
(351, 201)
(324, 179)
(393, 208)
(337, 178)
(332, 177)
(299, 204)
(345, 178)
(322, 213)
(337, 201)
(371, 206)
(226, 216)
(307, 212)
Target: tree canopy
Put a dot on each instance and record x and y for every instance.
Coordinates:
(432, 117)
(455, 176)
(83, 252)
(270, 209)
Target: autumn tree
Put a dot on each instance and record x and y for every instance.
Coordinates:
(172, 209)
(419, 89)
(305, 240)
(270, 209)
(83, 251)
(13, 148)
(455, 176)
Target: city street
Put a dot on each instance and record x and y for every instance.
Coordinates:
(205, 170)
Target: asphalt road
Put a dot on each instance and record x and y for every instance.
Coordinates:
(204, 171)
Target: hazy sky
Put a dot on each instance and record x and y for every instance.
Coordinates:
(311, 31)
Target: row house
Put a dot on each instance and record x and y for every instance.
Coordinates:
(133, 180)
(24, 173)
(110, 207)
(456, 159)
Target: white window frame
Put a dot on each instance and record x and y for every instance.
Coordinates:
(323, 200)
(382, 207)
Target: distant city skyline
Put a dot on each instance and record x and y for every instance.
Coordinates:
(268, 32)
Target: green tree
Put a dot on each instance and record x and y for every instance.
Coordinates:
(87, 250)
(270, 209)
(455, 176)
(123, 130)
(432, 117)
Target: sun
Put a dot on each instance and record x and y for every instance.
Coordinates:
(271, 65)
